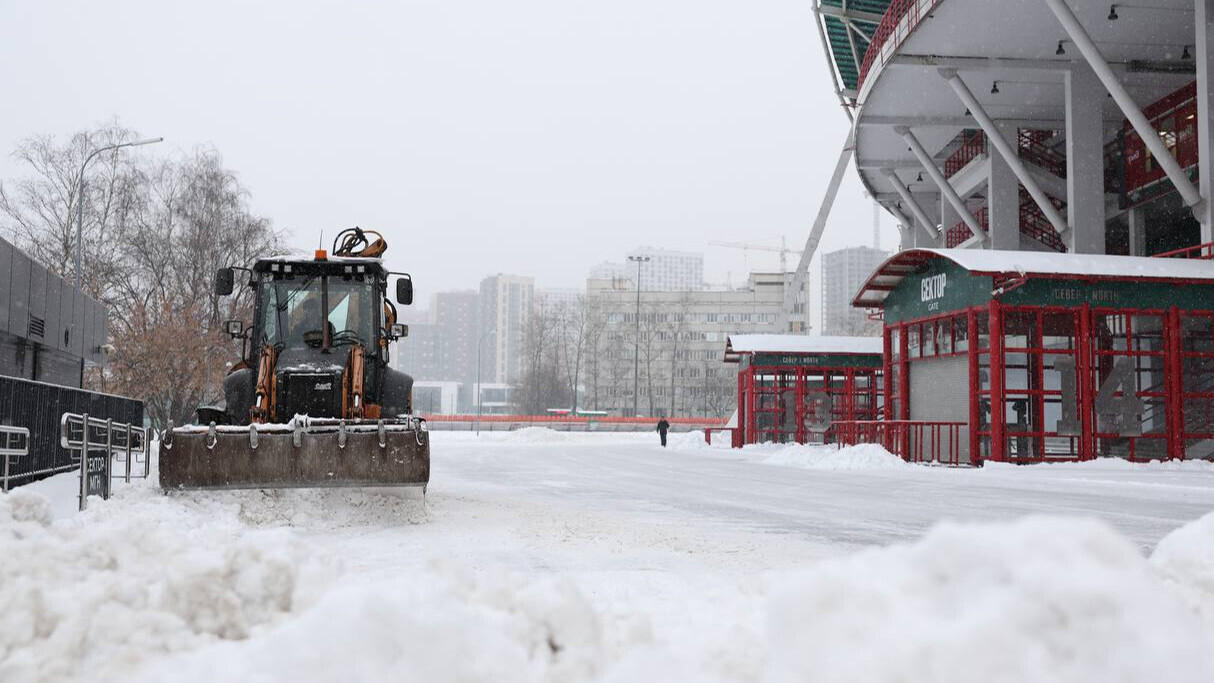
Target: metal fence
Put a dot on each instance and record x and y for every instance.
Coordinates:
(97, 442)
(14, 443)
(37, 407)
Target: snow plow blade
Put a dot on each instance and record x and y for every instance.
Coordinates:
(320, 453)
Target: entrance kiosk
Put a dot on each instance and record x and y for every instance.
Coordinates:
(1047, 356)
(793, 388)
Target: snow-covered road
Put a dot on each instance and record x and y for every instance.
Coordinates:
(544, 556)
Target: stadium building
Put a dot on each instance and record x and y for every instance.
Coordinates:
(1078, 129)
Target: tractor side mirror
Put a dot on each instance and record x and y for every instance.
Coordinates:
(234, 328)
(398, 330)
(404, 291)
(225, 280)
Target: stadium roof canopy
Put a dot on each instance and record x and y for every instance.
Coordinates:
(847, 28)
(1013, 55)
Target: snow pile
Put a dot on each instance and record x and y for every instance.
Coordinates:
(135, 578)
(830, 457)
(1186, 558)
(1039, 599)
(442, 624)
(530, 435)
(694, 441)
(1109, 463)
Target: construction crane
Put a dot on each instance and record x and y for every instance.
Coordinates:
(782, 249)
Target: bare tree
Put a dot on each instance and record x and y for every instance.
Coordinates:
(154, 233)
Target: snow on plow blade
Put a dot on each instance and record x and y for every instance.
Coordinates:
(302, 454)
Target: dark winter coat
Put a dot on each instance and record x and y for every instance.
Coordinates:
(663, 426)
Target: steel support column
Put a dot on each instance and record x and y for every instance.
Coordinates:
(794, 290)
(995, 139)
(928, 226)
(1137, 221)
(1003, 203)
(1204, 52)
(937, 176)
(1085, 160)
(1128, 106)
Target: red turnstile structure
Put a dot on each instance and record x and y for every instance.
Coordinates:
(795, 388)
(1045, 356)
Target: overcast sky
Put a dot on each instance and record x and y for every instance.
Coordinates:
(534, 137)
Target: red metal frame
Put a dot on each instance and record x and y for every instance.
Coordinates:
(1200, 251)
(763, 395)
(971, 148)
(1173, 354)
(925, 441)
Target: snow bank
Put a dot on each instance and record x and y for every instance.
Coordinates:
(830, 457)
(1040, 599)
(441, 625)
(1113, 464)
(1186, 558)
(694, 441)
(138, 577)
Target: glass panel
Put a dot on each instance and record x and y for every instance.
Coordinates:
(1020, 329)
(1198, 373)
(984, 330)
(1147, 333)
(1109, 330)
(1058, 331)
(1015, 371)
(1197, 334)
(895, 343)
(912, 340)
(961, 334)
(928, 339)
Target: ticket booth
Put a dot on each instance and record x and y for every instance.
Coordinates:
(794, 388)
(1047, 356)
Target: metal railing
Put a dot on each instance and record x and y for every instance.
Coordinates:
(899, 21)
(973, 147)
(912, 440)
(98, 442)
(1034, 223)
(14, 443)
(961, 232)
(1032, 148)
(1199, 251)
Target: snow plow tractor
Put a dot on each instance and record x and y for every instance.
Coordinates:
(312, 403)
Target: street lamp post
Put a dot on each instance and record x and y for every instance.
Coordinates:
(480, 342)
(636, 342)
(80, 200)
(80, 223)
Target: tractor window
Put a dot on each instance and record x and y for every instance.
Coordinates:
(350, 311)
(291, 312)
(290, 309)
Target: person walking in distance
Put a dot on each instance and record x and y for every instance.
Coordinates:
(663, 427)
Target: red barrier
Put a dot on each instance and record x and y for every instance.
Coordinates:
(569, 419)
(911, 440)
(1200, 251)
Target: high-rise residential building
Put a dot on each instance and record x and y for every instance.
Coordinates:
(674, 354)
(843, 273)
(665, 271)
(505, 304)
(456, 315)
